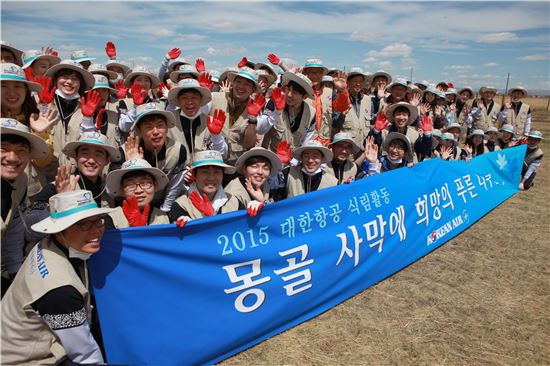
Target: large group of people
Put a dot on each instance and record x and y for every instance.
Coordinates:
(87, 146)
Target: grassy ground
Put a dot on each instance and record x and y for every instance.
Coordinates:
(481, 299)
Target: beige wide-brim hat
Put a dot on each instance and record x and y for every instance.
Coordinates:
(125, 68)
(392, 136)
(39, 148)
(467, 88)
(153, 108)
(477, 132)
(75, 66)
(454, 125)
(95, 139)
(101, 69)
(261, 65)
(382, 73)
(225, 74)
(518, 88)
(301, 80)
(447, 136)
(274, 160)
(140, 70)
(270, 78)
(68, 208)
(313, 145)
(210, 158)
(346, 137)
(189, 84)
(183, 69)
(245, 73)
(413, 111)
(101, 82)
(114, 178)
(174, 64)
(487, 88)
(13, 72)
(34, 55)
(315, 63)
(16, 52)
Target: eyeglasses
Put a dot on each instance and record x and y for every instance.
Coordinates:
(143, 185)
(86, 225)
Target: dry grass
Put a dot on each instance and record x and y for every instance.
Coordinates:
(536, 103)
(481, 299)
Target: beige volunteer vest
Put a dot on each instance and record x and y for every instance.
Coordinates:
(281, 130)
(533, 156)
(485, 119)
(120, 221)
(232, 204)
(519, 120)
(295, 183)
(325, 130)
(350, 170)
(202, 139)
(17, 194)
(359, 125)
(26, 338)
(237, 190)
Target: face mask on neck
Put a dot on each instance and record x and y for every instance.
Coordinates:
(191, 117)
(65, 96)
(73, 253)
(312, 173)
(396, 161)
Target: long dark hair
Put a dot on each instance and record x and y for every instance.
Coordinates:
(27, 108)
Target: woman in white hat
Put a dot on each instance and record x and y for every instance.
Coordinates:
(532, 161)
(206, 196)
(507, 137)
(515, 112)
(251, 187)
(465, 96)
(398, 154)
(432, 105)
(38, 62)
(10, 54)
(474, 146)
(136, 182)
(47, 312)
(309, 175)
(492, 139)
(449, 149)
(342, 165)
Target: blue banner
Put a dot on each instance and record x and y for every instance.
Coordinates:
(200, 294)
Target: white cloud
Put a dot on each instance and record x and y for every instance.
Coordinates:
(539, 57)
(163, 32)
(498, 37)
(189, 38)
(490, 64)
(459, 68)
(385, 64)
(364, 36)
(226, 51)
(393, 50)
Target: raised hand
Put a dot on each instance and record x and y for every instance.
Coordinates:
(164, 89)
(254, 207)
(138, 94)
(215, 124)
(122, 91)
(188, 176)
(254, 107)
(426, 124)
(225, 86)
(381, 91)
(48, 91)
(279, 98)
(371, 150)
(273, 59)
(254, 190)
(110, 50)
(64, 180)
(508, 103)
(242, 63)
(425, 108)
(89, 103)
(284, 152)
(446, 152)
(381, 122)
(205, 80)
(342, 103)
(132, 150)
(438, 111)
(132, 212)
(173, 53)
(415, 100)
(43, 120)
(199, 65)
(202, 204)
(480, 104)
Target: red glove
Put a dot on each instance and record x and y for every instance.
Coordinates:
(29, 74)
(426, 124)
(110, 50)
(138, 94)
(181, 222)
(273, 59)
(523, 141)
(199, 65)
(451, 85)
(243, 62)
(122, 90)
(284, 152)
(342, 103)
(205, 80)
(215, 125)
(279, 98)
(132, 212)
(89, 103)
(254, 211)
(202, 204)
(173, 53)
(381, 122)
(254, 107)
(99, 119)
(349, 180)
(48, 91)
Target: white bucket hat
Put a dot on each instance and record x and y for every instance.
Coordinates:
(68, 208)
(274, 160)
(125, 68)
(507, 127)
(92, 139)
(535, 135)
(114, 178)
(263, 66)
(396, 82)
(454, 125)
(413, 111)
(13, 72)
(141, 70)
(344, 136)
(382, 73)
(315, 62)
(189, 84)
(101, 82)
(17, 53)
(210, 157)
(313, 145)
(434, 91)
(225, 75)
(356, 71)
(423, 83)
(447, 136)
(301, 80)
(476, 132)
(327, 79)
(183, 69)
(392, 136)
(215, 75)
(491, 129)
(246, 73)
(153, 108)
(518, 88)
(487, 88)
(270, 77)
(39, 148)
(466, 88)
(34, 55)
(101, 69)
(75, 66)
(175, 63)
(81, 56)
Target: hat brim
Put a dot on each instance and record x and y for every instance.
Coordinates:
(71, 147)
(327, 154)
(17, 53)
(114, 179)
(128, 79)
(523, 91)
(39, 148)
(382, 73)
(259, 65)
(274, 160)
(325, 69)
(206, 96)
(392, 136)
(270, 78)
(50, 225)
(54, 60)
(290, 76)
(125, 68)
(111, 75)
(413, 112)
(86, 75)
(466, 89)
(33, 86)
(231, 77)
(170, 117)
(225, 75)
(174, 74)
(356, 147)
(227, 169)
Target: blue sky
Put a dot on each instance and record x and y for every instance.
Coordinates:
(468, 43)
